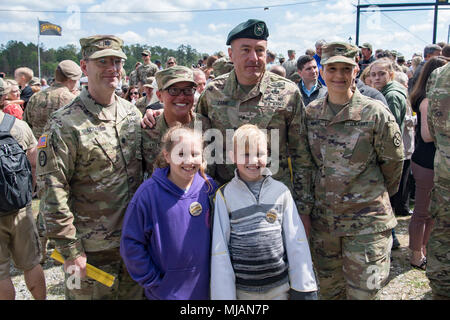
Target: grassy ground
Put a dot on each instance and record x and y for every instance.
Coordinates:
(404, 283)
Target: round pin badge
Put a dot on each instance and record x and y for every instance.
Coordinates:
(195, 209)
(42, 158)
(271, 216)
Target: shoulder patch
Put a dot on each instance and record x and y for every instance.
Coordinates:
(42, 143)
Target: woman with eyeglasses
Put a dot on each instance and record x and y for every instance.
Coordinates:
(132, 94)
(176, 89)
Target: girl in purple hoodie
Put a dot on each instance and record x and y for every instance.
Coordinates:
(166, 232)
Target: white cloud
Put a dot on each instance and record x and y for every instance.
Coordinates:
(218, 26)
(131, 37)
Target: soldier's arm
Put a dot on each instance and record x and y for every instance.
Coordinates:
(56, 164)
(303, 166)
(429, 89)
(389, 148)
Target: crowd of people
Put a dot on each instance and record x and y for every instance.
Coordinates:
(309, 162)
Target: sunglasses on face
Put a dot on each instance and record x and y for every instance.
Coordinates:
(145, 55)
(134, 92)
(177, 91)
(170, 63)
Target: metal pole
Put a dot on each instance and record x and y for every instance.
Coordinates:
(435, 21)
(448, 34)
(358, 12)
(39, 51)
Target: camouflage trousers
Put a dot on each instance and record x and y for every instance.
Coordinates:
(350, 267)
(438, 252)
(110, 261)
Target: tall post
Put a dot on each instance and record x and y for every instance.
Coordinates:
(358, 13)
(435, 21)
(448, 34)
(39, 50)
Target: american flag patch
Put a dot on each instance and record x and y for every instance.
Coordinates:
(42, 143)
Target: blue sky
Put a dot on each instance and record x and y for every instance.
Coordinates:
(292, 24)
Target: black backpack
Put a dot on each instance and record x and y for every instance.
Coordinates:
(16, 179)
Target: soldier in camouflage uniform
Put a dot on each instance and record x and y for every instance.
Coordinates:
(177, 108)
(249, 94)
(357, 146)
(89, 166)
(42, 104)
(438, 256)
(143, 102)
(133, 80)
(148, 69)
(291, 65)
(222, 66)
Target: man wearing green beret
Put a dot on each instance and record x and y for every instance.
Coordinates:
(357, 147)
(250, 94)
(89, 166)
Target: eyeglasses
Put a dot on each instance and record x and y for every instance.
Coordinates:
(134, 92)
(170, 63)
(177, 91)
(145, 55)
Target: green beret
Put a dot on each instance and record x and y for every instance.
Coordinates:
(252, 29)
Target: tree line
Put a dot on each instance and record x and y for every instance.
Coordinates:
(16, 54)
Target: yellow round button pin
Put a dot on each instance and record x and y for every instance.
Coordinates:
(195, 209)
(271, 216)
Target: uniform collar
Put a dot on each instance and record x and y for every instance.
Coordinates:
(97, 109)
(352, 111)
(232, 89)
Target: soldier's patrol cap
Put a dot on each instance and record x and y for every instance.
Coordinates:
(167, 77)
(4, 88)
(150, 82)
(70, 69)
(146, 53)
(339, 52)
(366, 45)
(102, 46)
(291, 51)
(35, 81)
(252, 29)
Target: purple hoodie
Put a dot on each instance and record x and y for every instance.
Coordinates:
(167, 249)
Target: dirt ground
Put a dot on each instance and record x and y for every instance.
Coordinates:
(404, 283)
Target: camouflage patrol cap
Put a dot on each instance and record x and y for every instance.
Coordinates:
(4, 88)
(222, 66)
(70, 69)
(149, 82)
(252, 29)
(146, 52)
(34, 82)
(366, 45)
(167, 77)
(339, 52)
(102, 46)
